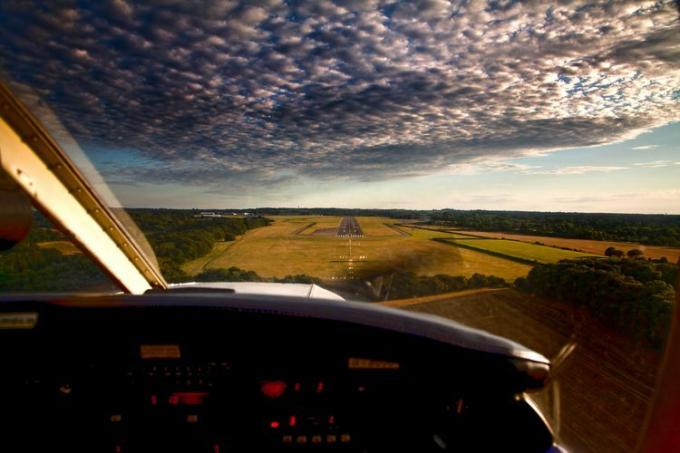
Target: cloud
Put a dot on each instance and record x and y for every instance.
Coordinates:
(576, 170)
(634, 201)
(644, 147)
(474, 168)
(265, 93)
(657, 164)
(485, 167)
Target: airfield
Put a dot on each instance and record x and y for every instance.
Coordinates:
(340, 248)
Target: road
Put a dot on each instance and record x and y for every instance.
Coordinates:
(349, 227)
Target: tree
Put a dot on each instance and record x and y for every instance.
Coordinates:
(613, 252)
(635, 253)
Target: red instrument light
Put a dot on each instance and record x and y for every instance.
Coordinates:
(187, 398)
(274, 424)
(319, 387)
(273, 389)
(154, 400)
(292, 421)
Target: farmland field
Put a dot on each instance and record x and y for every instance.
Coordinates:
(199, 264)
(424, 233)
(316, 251)
(585, 245)
(518, 250)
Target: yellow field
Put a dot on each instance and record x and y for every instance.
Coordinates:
(277, 250)
(423, 233)
(314, 225)
(375, 226)
(198, 265)
(520, 250)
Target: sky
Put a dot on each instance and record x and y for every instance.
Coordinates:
(560, 106)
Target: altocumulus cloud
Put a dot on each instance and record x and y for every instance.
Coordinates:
(363, 89)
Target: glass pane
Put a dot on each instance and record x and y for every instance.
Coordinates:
(48, 261)
(512, 166)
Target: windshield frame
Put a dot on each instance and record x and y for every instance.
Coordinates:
(32, 158)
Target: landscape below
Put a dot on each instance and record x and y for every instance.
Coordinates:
(376, 255)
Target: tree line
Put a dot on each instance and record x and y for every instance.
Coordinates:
(633, 296)
(178, 236)
(651, 229)
(404, 285)
(235, 274)
(28, 267)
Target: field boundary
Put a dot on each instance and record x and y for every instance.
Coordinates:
(436, 297)
(303, 228)
(503, 238)
(439, 230)
(213, 255)
(397, 229)
(452, 242)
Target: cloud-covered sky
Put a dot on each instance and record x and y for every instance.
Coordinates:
(226, 103)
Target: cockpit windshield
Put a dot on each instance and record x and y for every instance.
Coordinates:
(513, 166)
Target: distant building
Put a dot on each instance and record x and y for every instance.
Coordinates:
(219, 215)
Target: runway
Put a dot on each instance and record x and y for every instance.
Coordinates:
(349, 227)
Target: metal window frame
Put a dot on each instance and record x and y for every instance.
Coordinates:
(32, 158)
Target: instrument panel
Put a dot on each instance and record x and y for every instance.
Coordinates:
(204, 376)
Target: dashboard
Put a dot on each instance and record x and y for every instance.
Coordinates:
(220, 372)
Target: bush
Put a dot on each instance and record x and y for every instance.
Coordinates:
(408, 284)
(631, 295)
(634, 253)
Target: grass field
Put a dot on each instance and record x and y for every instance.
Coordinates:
(424, 233)
(519, 250)
(585, 245)
(309, 245)
(198, 265)
(375, 226)
(319, 226)
(382, 249)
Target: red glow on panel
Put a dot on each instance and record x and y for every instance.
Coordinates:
(274, 424)
(319, 387)
(273, 389)
(331, 420)
(297, 387)
(189, 398)
(154, 400)
(292, 421)
(173, 399)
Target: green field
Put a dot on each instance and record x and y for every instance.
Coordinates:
(518, 250)
(425, 233)
(283, 249)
